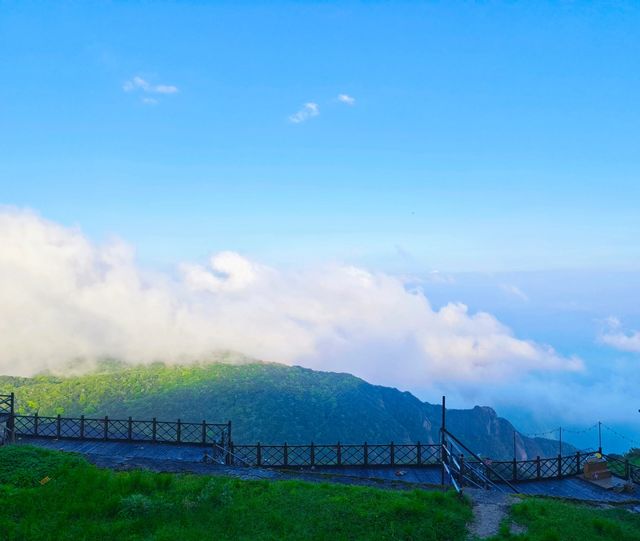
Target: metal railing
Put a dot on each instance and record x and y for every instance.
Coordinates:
(460, 465)
(122, 430)
(7, 403)
(314, 455)
(7, 407)
(463, 473)
(624, 469)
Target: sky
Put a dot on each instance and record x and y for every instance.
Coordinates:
(438, 196)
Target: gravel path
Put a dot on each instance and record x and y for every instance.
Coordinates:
(490, 507)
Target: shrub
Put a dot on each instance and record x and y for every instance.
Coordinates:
(136, 505)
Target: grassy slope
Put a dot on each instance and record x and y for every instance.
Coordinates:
(552, 520)
(82, 502)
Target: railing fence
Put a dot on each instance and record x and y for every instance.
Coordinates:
(122, 430)
(312, 455)
(7, 408)
(458, 463)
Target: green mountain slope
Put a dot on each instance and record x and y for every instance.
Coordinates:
(270, 403)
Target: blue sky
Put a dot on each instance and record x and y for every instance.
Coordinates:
(494, 142)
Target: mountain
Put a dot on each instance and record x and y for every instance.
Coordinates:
(268, 402)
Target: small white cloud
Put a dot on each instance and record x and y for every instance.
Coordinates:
(137, 83)
(617, 338)
(438, 277)
(309, 110)
(514, 291)
(345, 98)
(613, 322)
(165, 89)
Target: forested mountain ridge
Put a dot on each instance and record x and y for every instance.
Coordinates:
(270, 403)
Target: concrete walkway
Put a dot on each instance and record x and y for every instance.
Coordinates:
(189, 458)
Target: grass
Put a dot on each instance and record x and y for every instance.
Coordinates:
(83, 502)
(553, 520)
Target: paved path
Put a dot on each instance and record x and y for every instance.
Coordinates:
(189, 458)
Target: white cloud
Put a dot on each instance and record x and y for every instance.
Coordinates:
(620, 339)
(227, 271)
(164, 89)
(345, 98)
(514, 291)
(309, 110)
(138, 84)
(65, 297)
(435, 276)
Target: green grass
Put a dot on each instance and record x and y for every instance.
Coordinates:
(553, 520)
(634, 456)
(82, 502)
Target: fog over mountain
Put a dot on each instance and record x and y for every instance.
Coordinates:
(66, 297)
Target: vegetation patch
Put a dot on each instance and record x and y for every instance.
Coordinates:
(552, 520)
(83, 502)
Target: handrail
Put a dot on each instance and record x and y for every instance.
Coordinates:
(129, 430)
(112, 420)
(453, 481)
(477, 457)
(473, 467)
(631, 471)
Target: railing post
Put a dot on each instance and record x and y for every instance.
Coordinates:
(230, 454)
(392, 454)
(443, 440)
(229, 432)
(81, 427)
(178, 431)
(285, 454)
(577, 462)
(339, 454)
(106, 427)
(461, 480)
(419, 454)
(538, 469)
(599, 437)
(559, 466)
(259, 454)
(366, 453)
(154, 430)
(35, 424)
(130, 429)
(11, 421)
(514, 472)
(204, 432)
(58, 426)
(313, 454)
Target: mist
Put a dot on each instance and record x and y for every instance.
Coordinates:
(65, 297)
